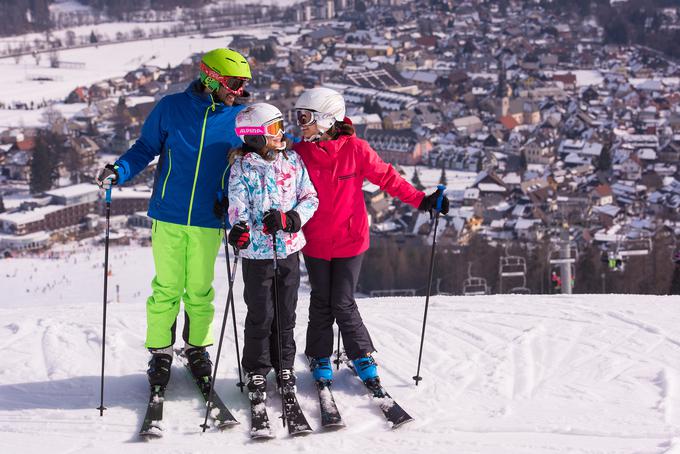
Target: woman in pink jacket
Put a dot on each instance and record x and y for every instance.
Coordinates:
(337, 235)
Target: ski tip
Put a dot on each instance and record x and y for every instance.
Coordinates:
(262, 435)
(299, 433)
(401, 423)
(227, 424)
(151, 434)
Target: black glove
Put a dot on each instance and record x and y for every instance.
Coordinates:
(275, 220)
(221, 206)
(107, 177)
(429, 203)
(239, 236)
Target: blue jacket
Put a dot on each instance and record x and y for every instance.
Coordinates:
(193, 135)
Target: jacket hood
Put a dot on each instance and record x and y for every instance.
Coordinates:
(254, 159)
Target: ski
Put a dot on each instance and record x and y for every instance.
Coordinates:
(219, 411)
(395, 415)
(260, 428)
(295, 419)
(330, 415)
(152, 427)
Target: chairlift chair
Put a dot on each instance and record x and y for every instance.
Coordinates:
(473, 286)
(512, 267)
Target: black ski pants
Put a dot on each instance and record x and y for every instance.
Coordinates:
(332, 300)
(260, 347)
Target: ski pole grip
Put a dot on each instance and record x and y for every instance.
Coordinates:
(108, 194)
(442, 189)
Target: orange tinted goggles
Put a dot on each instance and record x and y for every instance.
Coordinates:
(274, 129)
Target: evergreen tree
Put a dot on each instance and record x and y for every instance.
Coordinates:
(416, 180)
(675, 282)
(604, 162)
(2, 205)
(93, 38)
(442, 177)
(42, 165)
(523, 161)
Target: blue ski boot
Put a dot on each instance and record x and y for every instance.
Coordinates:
(366, 369)
(321, 369)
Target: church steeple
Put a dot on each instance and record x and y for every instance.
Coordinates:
(503, 92)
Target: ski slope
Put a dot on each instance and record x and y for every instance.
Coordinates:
(502, 374)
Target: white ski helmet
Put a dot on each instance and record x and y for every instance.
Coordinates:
(326, 106)
(257, 122)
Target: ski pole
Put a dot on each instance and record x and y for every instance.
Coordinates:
(101, 407)
(230, 296)
(337, 358)
(240, 383)
(278, 326)
(441, 189)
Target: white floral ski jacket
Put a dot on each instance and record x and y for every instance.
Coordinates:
(256, 186)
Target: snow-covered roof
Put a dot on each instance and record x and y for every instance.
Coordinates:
(26, 217)
(75, 190)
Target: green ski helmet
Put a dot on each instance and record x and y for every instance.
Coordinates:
(225, 67)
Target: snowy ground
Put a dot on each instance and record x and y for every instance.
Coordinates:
(502, 374)
(39, 82)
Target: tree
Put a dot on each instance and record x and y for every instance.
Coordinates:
(523, 161)
(360, 6)
(604, 162)
(93, 38)
(442, 177)
(416, 180)
(2, 205)
(43, 163)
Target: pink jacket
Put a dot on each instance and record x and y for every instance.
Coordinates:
(339, 228)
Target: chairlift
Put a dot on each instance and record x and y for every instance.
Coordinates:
(473, 286)
(512, 266)
(555, 254)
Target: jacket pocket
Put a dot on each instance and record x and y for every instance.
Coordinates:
(347, 177)
(167, 176)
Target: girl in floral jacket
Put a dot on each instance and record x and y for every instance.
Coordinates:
(269, 193)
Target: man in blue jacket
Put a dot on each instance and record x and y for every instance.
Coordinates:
(192, 132)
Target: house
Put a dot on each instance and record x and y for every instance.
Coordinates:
(397, 146)
(602, 195)
(631, 168)
(537, 151)
(670, 152)
(468, 125)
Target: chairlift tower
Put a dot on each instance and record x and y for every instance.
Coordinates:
(565, 256)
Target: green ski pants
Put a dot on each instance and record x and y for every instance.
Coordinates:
(185, 267)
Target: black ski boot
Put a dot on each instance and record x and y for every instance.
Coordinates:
(199, 362)
(286, 381)
(257, 386)
(159, 368)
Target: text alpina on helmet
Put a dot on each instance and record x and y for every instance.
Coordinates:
(257, 122)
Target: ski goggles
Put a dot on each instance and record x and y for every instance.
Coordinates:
(305, 117)
(234, 85)
(273, 129)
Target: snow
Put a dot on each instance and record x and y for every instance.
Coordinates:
(585, 77)
(103, 62)
(502, 374)
(455, 180)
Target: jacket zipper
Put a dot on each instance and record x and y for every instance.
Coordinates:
(168, 175)
(198, 160)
